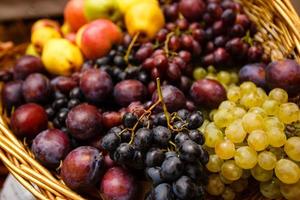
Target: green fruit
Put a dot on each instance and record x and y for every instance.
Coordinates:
(97, 9)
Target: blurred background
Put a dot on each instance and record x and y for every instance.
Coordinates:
(16, 16)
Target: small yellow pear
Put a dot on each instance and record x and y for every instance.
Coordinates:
(61, 57)
(42, 35)
(125, 5)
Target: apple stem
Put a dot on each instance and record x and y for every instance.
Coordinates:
(134, 39)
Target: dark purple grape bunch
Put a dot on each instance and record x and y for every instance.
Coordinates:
(170, 154)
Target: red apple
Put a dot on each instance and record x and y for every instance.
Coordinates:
(96, 38)
(73, 14)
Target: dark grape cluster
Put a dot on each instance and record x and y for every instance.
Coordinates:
(170, 154)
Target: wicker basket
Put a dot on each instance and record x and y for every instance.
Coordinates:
(278, 31)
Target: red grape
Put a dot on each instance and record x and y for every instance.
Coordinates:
(111, 119)
(255, 73)
(64, 84)
(192, 10)
(12, 94)
(27, 65)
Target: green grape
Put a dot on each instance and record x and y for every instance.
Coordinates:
(231, 171)
(258, 140)
(212, 135)
(277, 137)
(234, 94)
(267, 160)
(239, 185)
(270, 189)
(279, 95)
(273, 122)
(259, 111)
(262, 94)
(223, 118)
(292, 148)
(227, 105)
(235, 132)
(225, 149)
(252, 122)
(251, 99)
(214, 163)
(287, 171)
(290, 191)
(212, 113)
(288, 113)
(224, 180)
(261, 174)
(199, 73)
(215, 186)
(247, 87)
(245, 157)
(238, 112)
(271, 106)
(211, 69)
(234, 77)
(224, 77)
(228, 194)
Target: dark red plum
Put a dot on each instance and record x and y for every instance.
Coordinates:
(27, 65)
(29, 120)
(12, 94)
(255, 73)
(84, 121)
(50, 147)
(207, 92)
(128, 91)
(36, 88)
(96, 85)
(284, 74)
(64, 84)
(96, 142)
(111, 119)
(192, 10)
(109, 163)
(173, 98)
(118, 184)
(82, 168)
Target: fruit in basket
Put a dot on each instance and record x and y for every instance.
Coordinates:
(255, 73)
(118, 184)
(125, 5)
(97, 38)
(140, 22)
(50, 147)
(208, 92)
(192, 10)
(82, 168)
(84, 121)
(41, 36)
(128, 91)
(61, 57)
(29, 120)
(98, 9)
(32, 51)
(27, 65)
(284, 74)
(36, 88)
(41, 23)
(74, 14)
(12, 95)
(96, 85)
(173, 98)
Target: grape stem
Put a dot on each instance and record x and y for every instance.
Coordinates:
(166, 48)
(129, 49)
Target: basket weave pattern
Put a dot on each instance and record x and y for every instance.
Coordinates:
(279, 32)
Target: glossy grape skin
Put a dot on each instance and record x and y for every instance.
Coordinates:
(287, 171)
(50, 147)
(261, 174)
(245, 157)
(231, 171)
(64, 84)
(27, 65)
(292, 148)
(111, 119)
(84, 121)
(184, 188)
(192, 10)
(225, 149)
(266, 160)
(214, 164)
(207, 92)
(284, 74)
(255, 73)
(28, 120)
(118, 184)
(215, 185)
(96, 85)
(172, 96)
(271, 189)
(290, 191)
(36, 88)
(12, 94)
(128, 91)
(88, 164)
